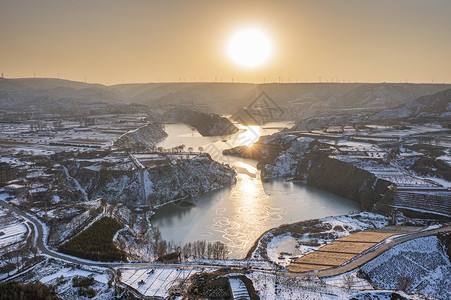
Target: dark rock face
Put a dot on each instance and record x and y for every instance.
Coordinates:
(206, 124)
(342, 178)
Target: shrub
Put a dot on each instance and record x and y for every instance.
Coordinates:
(29, 291)
(78, 281)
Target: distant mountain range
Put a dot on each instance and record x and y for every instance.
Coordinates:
(54, 94)
(223, 98)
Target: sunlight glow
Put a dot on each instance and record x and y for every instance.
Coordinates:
(250, 136)
(249, 47)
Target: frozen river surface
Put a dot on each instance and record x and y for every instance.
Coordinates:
(239, 214)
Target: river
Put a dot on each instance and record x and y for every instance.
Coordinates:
(239, 214)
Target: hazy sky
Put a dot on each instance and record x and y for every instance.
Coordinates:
(108, 41)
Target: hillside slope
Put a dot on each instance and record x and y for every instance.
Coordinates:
(436, 106)
(385, 95)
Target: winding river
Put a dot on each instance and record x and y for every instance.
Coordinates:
(239, 214)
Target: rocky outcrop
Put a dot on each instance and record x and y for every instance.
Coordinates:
(278, 154)
(141, 138)
(344, 179)
(285, 164)
(266, 148)
(206, 124)
(177, 179)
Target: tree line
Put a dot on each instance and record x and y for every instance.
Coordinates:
(197, 249)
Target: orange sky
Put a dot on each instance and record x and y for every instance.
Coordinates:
(109, 41)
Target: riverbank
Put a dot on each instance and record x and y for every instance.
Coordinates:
(287, 242)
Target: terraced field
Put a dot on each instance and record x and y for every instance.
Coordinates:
(343, 250)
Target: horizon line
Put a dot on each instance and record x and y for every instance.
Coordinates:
(228, 82)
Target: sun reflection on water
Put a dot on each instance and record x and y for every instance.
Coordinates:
(249, 136)
(246, 214)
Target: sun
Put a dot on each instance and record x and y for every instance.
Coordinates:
(249, 47)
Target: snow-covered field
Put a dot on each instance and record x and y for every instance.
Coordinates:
(61, 276)
(70, 272)
(349, 280)
(12, 230)
(46, 141)
(155, 282)
(272, 287)
(423, 261)
(239, 290)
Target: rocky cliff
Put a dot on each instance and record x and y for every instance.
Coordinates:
(344, 179)
(141, 138)
(285, 163)
(266, 148)
(206, 124)
(177, 178)
(307, 160)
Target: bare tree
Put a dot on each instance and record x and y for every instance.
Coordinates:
(348, 281)
(155, 239)
(404, 283)
(161, 248)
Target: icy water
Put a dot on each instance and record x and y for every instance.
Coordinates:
(239, 214)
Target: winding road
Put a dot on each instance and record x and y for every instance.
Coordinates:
(43, 247)
(355, 263)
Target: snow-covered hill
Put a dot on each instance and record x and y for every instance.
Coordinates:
(52, 94)
(382, 95)
(141, 138)
(432, 106)
(423, 262)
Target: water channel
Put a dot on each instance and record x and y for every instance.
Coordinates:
(239, 214)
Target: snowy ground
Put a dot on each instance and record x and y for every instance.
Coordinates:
(271, 287)
(71, 272)
(349, 280)
(12, 229)
(156, 282)
(422, 260)
(61, 277)
(19, 137)
(239, 290)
